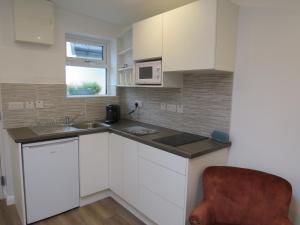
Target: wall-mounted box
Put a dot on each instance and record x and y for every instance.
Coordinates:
(34, 21)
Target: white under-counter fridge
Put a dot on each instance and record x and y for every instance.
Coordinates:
(51, 178)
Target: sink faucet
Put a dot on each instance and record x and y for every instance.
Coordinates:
(68, 120)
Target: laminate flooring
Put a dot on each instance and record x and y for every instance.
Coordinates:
(104, 212)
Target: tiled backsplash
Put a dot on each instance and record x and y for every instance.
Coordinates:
(206, 100)
(56, 104)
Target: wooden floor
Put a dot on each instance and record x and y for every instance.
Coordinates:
(104, 212)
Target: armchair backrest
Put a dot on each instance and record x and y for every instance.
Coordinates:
(243, 196)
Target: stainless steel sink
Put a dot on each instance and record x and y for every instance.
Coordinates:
(46, 130)
(89, 125)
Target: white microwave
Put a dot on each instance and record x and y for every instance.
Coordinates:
(148, 72)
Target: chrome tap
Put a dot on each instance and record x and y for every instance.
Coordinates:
(67, 121)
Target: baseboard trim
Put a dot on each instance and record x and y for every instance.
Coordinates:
(94, 198)
(131, 209)
(108, 193)
(10, 200)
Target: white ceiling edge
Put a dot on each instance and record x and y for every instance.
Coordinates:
(275, 4)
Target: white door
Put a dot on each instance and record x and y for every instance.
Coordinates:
(147, 38)
(131, 171)
(93, 161)
(189, 37)
(51, 178)
(116, 164)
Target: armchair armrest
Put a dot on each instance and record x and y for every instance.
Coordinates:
(203, 214)
(282, 221)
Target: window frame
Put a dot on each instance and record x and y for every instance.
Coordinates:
(90, 63)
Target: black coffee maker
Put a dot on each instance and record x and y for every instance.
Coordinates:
(112, 114)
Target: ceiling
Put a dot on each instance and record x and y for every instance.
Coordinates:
(283, 4)
(121, 12)
(125, 12)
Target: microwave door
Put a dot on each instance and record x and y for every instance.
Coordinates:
(146, 75)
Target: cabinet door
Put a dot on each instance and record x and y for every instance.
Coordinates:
(93, 163)
(131, 171)
(162, 189)
(147, 38)
(116, 164)
(189, 37)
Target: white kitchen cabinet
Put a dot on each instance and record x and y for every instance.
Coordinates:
(34, 21)
(116, 164)
(159, 210)
(158, 183)
(93, 163)
(170, 184)
(163, 183)
(147, 38)
(124, 168)
(200, 36)
(130, 171)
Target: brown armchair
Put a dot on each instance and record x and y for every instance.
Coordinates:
(236, 196)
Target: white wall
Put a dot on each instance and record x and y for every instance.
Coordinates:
(38, 64)
(31, 63)
(265, 124)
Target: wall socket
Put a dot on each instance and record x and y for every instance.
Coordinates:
(180, 108)
(171, 108)
(29, 105)
(39, 104)
(139, 103)
(163, 106)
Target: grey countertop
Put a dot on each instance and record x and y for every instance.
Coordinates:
(26, 135)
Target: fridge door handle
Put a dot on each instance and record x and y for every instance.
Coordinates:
(49, 143)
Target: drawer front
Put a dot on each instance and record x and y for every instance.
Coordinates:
(158, 210)
(166, 183)
(165, 159)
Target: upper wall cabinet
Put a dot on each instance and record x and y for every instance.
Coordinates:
(200, 36)
(147, 38)
(34, 21)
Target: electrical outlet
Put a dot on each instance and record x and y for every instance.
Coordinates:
(15, 105)
(171, 108)
(163, 106)
(139, 103)
(39, 104)
(29, 105)
(180, 108)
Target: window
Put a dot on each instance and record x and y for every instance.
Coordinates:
(87, 66)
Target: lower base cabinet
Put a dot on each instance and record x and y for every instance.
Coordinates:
(159, 210)
(93, 163)
(162, 186)
(124, 168)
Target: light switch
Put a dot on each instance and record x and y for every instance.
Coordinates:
(163, 106)
(39, 104)
(171, 108)
(29, 105)
(180, 108)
